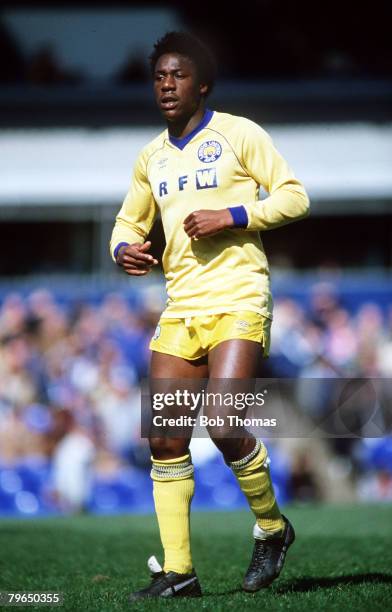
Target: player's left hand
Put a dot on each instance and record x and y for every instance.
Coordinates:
(201, 223)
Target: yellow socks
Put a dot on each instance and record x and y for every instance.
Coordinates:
(173, 488)
(173, 491)
(253, 475)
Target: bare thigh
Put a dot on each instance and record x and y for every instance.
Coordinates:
(166, 374)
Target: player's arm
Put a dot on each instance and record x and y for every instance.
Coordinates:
(134, 221)
(287, 201)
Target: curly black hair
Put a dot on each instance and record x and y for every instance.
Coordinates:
(188, 45)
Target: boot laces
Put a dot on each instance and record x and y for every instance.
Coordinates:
(261, 553)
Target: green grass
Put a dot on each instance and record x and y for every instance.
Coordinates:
(341, 560)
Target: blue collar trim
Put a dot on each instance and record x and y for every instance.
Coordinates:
(181, 143)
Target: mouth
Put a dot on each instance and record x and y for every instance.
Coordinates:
(168, 102)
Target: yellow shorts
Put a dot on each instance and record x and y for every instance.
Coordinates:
(194, 337)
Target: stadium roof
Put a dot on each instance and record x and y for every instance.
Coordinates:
(336, 162)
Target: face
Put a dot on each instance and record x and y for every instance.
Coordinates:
(178, 91)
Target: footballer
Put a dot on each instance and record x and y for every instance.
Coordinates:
(203, 175)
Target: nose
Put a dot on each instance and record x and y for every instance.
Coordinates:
(168, 83)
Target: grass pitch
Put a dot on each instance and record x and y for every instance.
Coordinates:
(341, 560)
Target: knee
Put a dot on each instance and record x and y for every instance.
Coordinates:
(168, 448)
(233, 448)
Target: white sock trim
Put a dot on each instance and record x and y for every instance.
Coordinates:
(153, 565)
(261, 534)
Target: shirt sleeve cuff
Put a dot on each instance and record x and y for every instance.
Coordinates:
(118, 247)
(240, 216)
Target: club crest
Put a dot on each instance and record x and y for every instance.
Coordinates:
(209, 151)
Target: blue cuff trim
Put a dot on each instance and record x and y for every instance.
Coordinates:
(240, 216)
(118, 247)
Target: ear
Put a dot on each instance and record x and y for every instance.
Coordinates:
(203, 88)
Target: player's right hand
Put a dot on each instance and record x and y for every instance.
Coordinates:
(135, 260)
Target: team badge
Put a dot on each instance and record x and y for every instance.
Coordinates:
(157, 332)
(209, 151)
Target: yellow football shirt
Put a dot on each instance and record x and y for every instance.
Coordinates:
(221, 164)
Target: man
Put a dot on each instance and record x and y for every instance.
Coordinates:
(203, 174)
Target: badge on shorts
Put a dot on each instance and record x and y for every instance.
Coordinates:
(157, 332)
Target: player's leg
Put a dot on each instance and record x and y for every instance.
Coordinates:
(173, 488)
(234, 360)
(237, 359)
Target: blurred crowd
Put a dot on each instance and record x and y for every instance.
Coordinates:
(69, 384)
(70, 377)
(323, 338)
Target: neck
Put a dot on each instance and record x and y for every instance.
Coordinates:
(182, 128)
